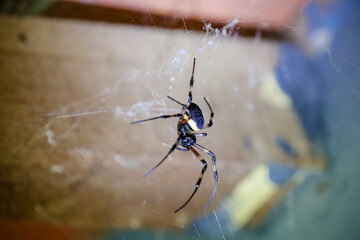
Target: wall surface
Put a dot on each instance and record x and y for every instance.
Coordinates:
(69, 91)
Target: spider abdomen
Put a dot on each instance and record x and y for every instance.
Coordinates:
(196, 121)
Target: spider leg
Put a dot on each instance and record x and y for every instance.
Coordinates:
(216, 177)
(176, 101)
(170, 151)
(200, 134)
(191, 85)
(162, 116)
(211, 115)
(183, 105)
(197, 185)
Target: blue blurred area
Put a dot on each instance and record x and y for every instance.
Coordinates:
(325, 87)
(286, 147)
(307, 73)
(280, 174)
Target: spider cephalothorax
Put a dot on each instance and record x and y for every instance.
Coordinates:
(190, 121)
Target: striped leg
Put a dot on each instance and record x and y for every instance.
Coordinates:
(183, 105)
(176, 101)
(216, 177)
(162, 116)
(200, 134)
(211, 115)
(197, 185)
(170, 151)
(191, 85)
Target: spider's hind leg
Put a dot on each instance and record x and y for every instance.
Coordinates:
(197, 185)
(170, 151)
(216, 177)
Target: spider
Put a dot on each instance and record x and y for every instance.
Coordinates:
(191, 120)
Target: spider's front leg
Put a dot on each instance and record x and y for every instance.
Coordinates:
(191, 85)
(211, 115)
(162, 116)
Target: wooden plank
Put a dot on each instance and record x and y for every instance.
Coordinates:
(272, 15)
(69, 91)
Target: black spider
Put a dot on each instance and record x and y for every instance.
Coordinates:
(191, 120)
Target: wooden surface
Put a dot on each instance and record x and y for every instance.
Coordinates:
(29, 230)
(267, 15)
(69, 90)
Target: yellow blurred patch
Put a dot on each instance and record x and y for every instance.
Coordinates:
(271, 92)
(249, 195)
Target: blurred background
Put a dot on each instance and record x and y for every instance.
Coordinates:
(281, 76)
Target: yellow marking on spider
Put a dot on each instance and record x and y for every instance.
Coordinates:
(193, 125)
